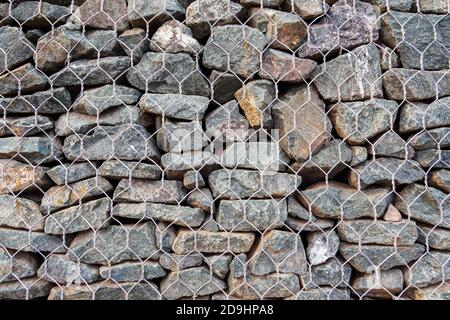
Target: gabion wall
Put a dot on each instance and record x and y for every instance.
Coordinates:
(217, 149)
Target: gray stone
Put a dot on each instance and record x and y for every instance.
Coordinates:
(251, 215)
(383, 171)
(306, 9)
(118, 170)
(143, 14)
(390, 144)
(334, 272)
(24, 126)
(191, 282)
(168, 73)
(234, 48)
(29, 288)
(382, 284)
(60, 197)
(431, 139)
(224, 86)
(71, 172)
(92, 215)
(103, 42)
(135, 43)
(21, 213)
(434, 6)
(115, 244)
(175, 262)
(38, 14)
(201, 198)
(17, 265)
(132, 271)
(366, 231)
(420, 116)
(322, 293)
(59, 269)
(54, 101)
(394, 5)
(16, 177)
(219, 264)
(357, 122)
(238, 266)
(175, 214)
(25, 78)
(124, 142)
(212, 242)
(433, 158)
(308, 129)
(371, 257)
(439, 291)
(91, 72)
(278, 251)
(316, 224)
(322, 245)
(182, 107)
(440, 179)
(413, 85)
(107, 290)
(389, 59)
(177, 164)
(264, 3)
(409, 35)
(350, 77)
(175, 37)
(34, 150)
(240, 184)
(359, 155)
(177, 137)
(15, 48)
(424, 204)
(338, 200)
(95, 101)
(433, 267)
(193, 180)
(434, 237)
(140, 190)
(165, 235)
(25, 240)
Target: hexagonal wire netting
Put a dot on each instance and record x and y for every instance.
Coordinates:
(217, 149)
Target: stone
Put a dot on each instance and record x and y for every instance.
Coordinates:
(176, 106)
(278, 251)
(333, 272)
(389, 59)
(352, 76)
(280, 66)
(115, 244)
(71, 172)
(359, 155)
(54, 101)
(432, 158)
(60, 197)
(251, 215)
(132, 271)
(392, 214)
(397, 5)
(175, 214)
(316, 224)
(165, 234)
(95, 101)
(16, 177)
(432, 268)
(175, 262)
(91, 72)
(366, 231)
(256, 99)
(177, 164)
(357, 122)
(59, 269)
(383, 171)
(175, 73)
(413, 85)
(264, 3)
(238, 266)
(24, 126)
(234, 48)
(219, 264)
(434, 237)
(118, 170)
(431, 139)
(202, 199)
(17, 265)
(135, 43)
(322, 293)
(27, 241)
(322, 245)
(38, 14)
(224, 85)
(25, 78)
(340, 201)
(212, 242)
(382, 284)
(124, 142)
(92, 215)
(103, 42)
(140, 190)
(29, 288)
(374, 257)
(283, 30)
(433, 6)
(35, 150)
(193, 180)
(424, 204)
(107, 290)
(440, 179)
(226, 123)
(348, 24)
(308, 129)
(240, 184)
(190, 283)
(420, 116)
(179, 137)
(274, 285)
(390, 144)
(175, 37)
(101, 14)
(435, 292)
(20, 213)
(81, 123)
(15, 48)
(408, 33)
(307, 9)
(145, 15)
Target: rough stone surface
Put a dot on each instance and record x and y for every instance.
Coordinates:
(28, 288)
(69, 173)
(440, 179)
(226, 123)
(434, 237)
(27, 241)
(433, 267)
(322, 245)
(118, 170)
(139, 190)
(417, 116)
(17, 265)
(383, 284)
(16, 177)
(175, 262)
(26, 77)
(21, 213)
(15, 48)
(132, 271)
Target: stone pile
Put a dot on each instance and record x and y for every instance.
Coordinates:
(217, 149)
